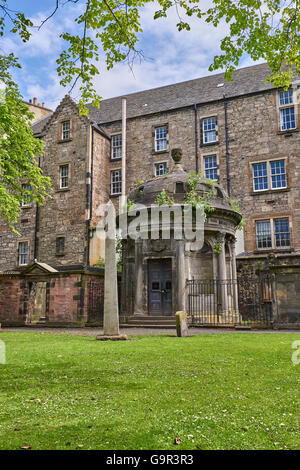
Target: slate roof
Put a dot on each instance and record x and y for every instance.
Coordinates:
(199, 91)
(39, 125)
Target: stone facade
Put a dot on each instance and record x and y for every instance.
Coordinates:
(248, 131)
(39, 110)
(253, 135)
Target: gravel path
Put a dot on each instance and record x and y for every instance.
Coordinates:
(140, 331)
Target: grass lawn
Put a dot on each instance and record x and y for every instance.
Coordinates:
(224, 391)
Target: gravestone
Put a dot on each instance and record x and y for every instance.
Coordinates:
(182, 328)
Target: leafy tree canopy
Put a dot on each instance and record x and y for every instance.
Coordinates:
(264, 29)
(20, 177)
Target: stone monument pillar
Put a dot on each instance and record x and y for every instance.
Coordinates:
(180, 276)
(111, 307)
(138, 297)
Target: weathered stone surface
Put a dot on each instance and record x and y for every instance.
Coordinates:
(181, 324)
(253, 135)
(111, 337)
(70, 299)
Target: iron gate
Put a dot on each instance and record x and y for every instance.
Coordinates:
(246, 301)
(95, 302)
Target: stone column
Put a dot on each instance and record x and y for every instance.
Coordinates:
(181, 281)
(222, 273)
(215, 264)
(234, 277)
(139, 288)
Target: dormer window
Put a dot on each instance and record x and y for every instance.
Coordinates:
(66, 130)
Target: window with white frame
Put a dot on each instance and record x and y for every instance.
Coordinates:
(211, 167)
(272, 233)
(282, 233)
(161, 138)
(209, 129)
(287, 110)
(26, 196)
(64, 176)
(160, 169)
(23, 253)
(116, 182)
(269, 175)
(116, 146)
(66, 130)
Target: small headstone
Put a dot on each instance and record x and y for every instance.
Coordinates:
(182, 328)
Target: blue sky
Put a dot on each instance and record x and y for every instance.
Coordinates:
(171, 56)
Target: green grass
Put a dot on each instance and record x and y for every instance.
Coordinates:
(225, 391)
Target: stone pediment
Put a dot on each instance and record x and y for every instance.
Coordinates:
(39, 269)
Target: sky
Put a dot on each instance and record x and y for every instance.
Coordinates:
(170, 56)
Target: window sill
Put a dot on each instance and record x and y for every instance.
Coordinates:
(287, 132)
(209, 144)
(115, 195)
(273, 250)
(159, 152)
(63, 190)
(59, 254)
(115, 159)
(27, 207)
(61, 141)
(269, 191)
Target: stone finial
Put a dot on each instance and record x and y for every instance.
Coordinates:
(176, 155)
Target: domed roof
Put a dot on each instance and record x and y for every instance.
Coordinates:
(176, 186)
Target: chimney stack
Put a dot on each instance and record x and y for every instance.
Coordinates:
(35, 101)
(43, 105)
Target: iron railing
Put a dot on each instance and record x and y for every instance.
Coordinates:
(229, 302)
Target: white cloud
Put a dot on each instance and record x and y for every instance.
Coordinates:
(175, 56)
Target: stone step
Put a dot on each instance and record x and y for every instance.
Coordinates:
(152, 322)
(152, 319)
(148, 326)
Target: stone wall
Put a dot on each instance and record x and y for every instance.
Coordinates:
(100, 192)
(253, 135)
(287, 306)
(66, 212)
(256, 265)
(9, 241)
(12, 300)
(39, 111)
(68, 299)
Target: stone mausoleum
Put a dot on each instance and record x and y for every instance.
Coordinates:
(156, 270)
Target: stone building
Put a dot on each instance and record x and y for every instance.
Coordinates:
(156, 267)
(244, 134)
(39, 110)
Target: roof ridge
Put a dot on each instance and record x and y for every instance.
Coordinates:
(180, 83)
